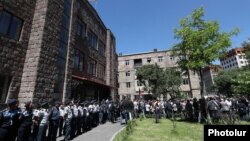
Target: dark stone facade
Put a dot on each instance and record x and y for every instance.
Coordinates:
(40, 62)
(31, 62)
(13, 52)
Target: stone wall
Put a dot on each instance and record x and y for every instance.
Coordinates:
(12, 52)
(88, 15)
(40, 63)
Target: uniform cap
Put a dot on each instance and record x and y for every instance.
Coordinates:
(11, 101)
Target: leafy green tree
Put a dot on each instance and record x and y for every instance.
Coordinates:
(159, 81)
(246, 46)
(151, 77)
(200, 43)
(242, 82)
(225, 83)
(172, 82)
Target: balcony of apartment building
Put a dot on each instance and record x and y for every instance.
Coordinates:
(137, 63)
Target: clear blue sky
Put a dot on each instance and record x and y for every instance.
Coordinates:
(142, 25)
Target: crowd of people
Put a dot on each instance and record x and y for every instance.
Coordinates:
(47, 121)
(195, 110)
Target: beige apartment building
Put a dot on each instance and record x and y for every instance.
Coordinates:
(130, 87)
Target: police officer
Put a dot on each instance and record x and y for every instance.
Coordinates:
(8, 121)
(24, 130)
(43, 116)
(61, 119)
(85, 116)
(68, 118)
(54, 121)
(80, 119)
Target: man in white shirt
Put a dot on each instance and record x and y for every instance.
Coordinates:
(61, 119)
(44, 116)
(68, 117)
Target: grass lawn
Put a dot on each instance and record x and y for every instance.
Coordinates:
(148, 130)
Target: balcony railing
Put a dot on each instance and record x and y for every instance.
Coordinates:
(138, 65)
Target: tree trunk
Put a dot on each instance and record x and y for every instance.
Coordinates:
(201, 82)
(189, 83)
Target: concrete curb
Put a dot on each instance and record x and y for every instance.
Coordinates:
(113, 137)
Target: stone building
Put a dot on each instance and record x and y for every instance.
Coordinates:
(209, 73)
(130, 87)
(55, 50)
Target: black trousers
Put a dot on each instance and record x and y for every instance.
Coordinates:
(8, 134)
(67, 128)
(61, 122)
(41, 135)
(79, 125)
(53, 128)
(24, 133)
(73, 127)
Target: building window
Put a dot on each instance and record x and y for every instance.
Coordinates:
(160, 58)
(10, 25)
(128, 84)
(139, 83)
(172, 58)
(127, 62)
(240, 57)
(78, 60)
(128, 73)
(185, 81)
(92, 68)
(101, 72)
(241, 62)
(81, 29)
(101, 48)
(148, 60)
(63, 49)
(92, 38)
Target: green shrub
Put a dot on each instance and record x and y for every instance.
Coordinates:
(123, 135)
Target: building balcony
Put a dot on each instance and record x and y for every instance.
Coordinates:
(138, 65)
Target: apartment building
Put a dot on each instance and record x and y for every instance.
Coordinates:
(209, 73)
(234, 59)
(131, 88)
(55, 50)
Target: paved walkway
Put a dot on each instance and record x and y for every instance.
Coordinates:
(100, 133)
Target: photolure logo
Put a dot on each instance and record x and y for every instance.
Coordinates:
(241, 132)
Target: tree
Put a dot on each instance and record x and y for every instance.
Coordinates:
(172, 81)
(200, 43)
(151, 77)
(233, 82)
(246, 46)
(159, 81)
(225, 83)
(242, 82)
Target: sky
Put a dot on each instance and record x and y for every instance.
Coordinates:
(143, 25)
